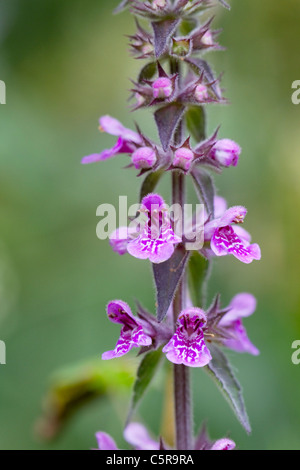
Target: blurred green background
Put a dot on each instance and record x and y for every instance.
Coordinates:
(65, 63)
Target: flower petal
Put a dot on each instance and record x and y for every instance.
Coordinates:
(156, 250)
(225, 241)
(105, 441)
(242, 305)
(187, 345)
(114, 127)
(120, 312)
(223, 444)
(220, 206)
(180, 351)
(121, 146)
(123, 346)
(233, 215)
(137, 435)
(240, 341)
(153, 201)
(119, 240)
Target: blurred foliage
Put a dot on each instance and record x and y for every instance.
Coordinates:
(74, 387)
(65, 63)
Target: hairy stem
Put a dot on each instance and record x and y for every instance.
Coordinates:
(182, 392)
(182, 389)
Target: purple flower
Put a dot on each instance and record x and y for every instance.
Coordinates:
(162, 88)
(187, 345)
(227, 240)
(135, 434)
(157, 239)
(134, 333)
(105, 441)
(144, 158)
(127, 142)
(119, 239)
(183, 157)
(223, 444)
(138, 437)
(242, 305)
(226, 152)
(201, 93)
(203, 442)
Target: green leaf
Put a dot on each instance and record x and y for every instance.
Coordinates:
(198, 271)
(150, 183)
(145, 374)
(220, 370)
(196, 122)
(148, 71)
(205, 189)
(74, 387)
(187, 26)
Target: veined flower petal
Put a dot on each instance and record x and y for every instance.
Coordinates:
(225, 241)
(132, 333)
(223, 444)
(187, 345)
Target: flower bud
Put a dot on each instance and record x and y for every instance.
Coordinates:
(159, 4)
(226, 152)
(183, 158)
(207, 39)
(144, 158)
(201, 93)
(162, 88)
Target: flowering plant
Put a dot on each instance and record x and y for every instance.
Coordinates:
(179, 85)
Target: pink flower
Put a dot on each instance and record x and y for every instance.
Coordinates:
(157, 239)
(134, 332)
(127, 142)
(162, 88)
(242, 305)
(144, 158)
(135, 434)
(225, 152)
(226, 239)
(187, 345)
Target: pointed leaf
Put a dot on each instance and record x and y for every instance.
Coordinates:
(150, 182)
(198, 271)
(145, 373)
(205, 189)
(167, 276)
(166, 119)
(220, 370)
(162, 32)
(148, 71)
(196, 122)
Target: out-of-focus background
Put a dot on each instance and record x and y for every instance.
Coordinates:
(65, 63)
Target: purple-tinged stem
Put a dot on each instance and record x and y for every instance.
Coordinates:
(182, 389)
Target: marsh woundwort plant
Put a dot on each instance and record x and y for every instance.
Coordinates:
(179, 85)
